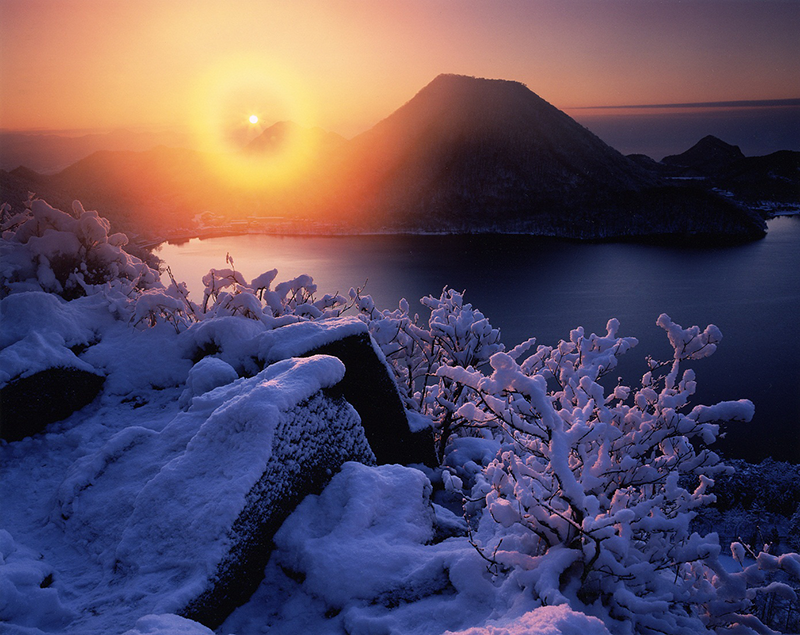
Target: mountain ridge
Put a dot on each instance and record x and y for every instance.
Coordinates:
(462, 155)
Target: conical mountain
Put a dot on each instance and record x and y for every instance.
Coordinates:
(478, 154)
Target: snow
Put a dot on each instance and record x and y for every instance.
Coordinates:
(167, 624)
(199, 467)
(116, 517)
(25, 597)
(39, 330)
(297, 339)
(364, 552)
(207, 374)
(35, 353)
(548, 620)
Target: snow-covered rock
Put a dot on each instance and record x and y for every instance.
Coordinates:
(547, 620)
(207, 374)
(368, 384)
(167, 624)
(42, 380)
(186, 516)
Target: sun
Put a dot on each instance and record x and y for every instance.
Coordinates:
(230, 102)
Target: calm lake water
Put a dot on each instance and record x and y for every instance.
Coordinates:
(530, 286)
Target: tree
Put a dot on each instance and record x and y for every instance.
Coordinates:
(587, 500)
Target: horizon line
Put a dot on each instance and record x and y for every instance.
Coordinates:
(749, 103)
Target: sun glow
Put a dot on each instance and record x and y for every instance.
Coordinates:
(225, 98)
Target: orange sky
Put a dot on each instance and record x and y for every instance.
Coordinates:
(344, 65)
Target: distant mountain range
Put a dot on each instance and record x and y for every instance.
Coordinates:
(463, 155)
(755, 181)
(51, 153)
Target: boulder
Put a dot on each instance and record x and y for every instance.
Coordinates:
(42, 378)
(28, 404)
(247, 346)
(193, 522)
(368, 384)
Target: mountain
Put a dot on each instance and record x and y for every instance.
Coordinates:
(774, 177)
(478, 151)
(147, 187)
(710, 155)
(769, 183)
(49, 153)
(469, 154)
(463, 155)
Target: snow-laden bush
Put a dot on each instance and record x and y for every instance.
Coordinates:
(585, 495)
(456, 336)
(45, 249)
(227, 293)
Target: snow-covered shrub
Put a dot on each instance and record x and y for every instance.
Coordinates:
(585, 496)
(456, 335)
(45, 249)
(228, 293)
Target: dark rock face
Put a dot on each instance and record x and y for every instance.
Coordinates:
(28, 404)
(368, 384)
(304, 456)
(370, 389)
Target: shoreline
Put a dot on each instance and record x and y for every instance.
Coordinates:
(221, 232)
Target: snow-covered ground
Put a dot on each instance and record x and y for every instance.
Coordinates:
(371, 554)
(574, 520)
(360, 558)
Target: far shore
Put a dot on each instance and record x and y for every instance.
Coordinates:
(183, 235)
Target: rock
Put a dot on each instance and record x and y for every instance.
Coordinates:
(368, 384)
(370, 388)
(42, 377)
(28, 404)
(205, 375)
(201, 500)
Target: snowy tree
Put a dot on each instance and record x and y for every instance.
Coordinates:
(456, 335)
(585, 499)
(46, 249)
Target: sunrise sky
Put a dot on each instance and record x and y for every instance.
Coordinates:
(104, 64)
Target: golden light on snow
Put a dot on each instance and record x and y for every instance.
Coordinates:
(224, 124)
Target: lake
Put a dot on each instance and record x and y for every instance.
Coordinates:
(529, 286)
